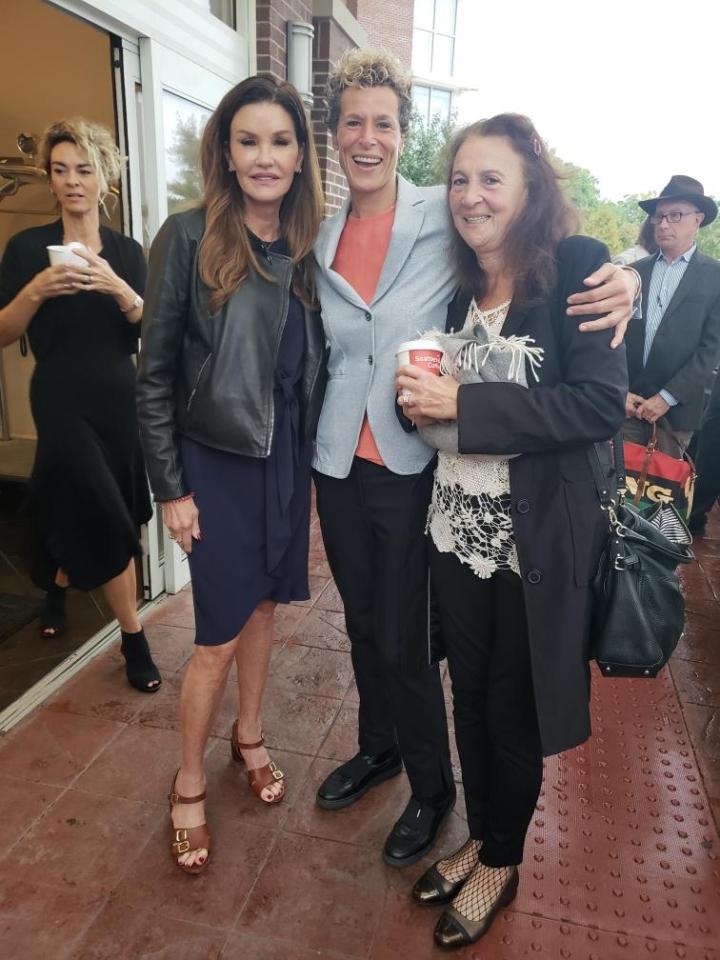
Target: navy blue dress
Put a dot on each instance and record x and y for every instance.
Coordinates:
(254, 512)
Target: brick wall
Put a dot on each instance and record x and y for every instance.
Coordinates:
(389, 24)
(329, 44)
(272, 17)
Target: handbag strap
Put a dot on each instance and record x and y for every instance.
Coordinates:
(642, 479)
(610, 485)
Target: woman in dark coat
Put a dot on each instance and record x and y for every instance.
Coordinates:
(515, 536)
(88, 491)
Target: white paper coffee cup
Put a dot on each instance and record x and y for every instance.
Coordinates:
(65, 253)
(426, 354)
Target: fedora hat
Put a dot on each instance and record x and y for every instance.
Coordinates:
(684, 188)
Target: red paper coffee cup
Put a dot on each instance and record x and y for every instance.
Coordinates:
(420, 353)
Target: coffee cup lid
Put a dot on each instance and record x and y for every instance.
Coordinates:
(419, 345)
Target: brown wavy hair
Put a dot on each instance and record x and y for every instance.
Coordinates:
(545, 220)
(225, 250)
(646, 237)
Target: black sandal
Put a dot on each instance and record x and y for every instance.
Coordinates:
(139, 666)
(53, 619)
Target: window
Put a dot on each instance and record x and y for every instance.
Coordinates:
(224, 10)
(183, 126)
(432, 102)
(434, 37)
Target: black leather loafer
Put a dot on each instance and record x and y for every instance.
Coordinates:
(453, 930)
(354, 778)
(416, 831)
(432, 888)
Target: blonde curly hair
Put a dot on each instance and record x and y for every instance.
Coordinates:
(365, 69)
(94, 140)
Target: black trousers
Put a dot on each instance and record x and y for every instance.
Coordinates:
(707, 489)
(496, 728)
(373, 525)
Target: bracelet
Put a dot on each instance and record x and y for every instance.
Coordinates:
(638, 280)
(137, 302)
(186, 496)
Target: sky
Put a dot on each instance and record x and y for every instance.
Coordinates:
(622, 88)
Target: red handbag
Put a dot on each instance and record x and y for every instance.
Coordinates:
(654, 478)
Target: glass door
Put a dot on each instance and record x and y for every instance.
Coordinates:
(171, 106)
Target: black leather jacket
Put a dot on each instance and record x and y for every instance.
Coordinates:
(208, 376)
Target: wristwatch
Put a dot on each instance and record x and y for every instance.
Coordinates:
(137, 302)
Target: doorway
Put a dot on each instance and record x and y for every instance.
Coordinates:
(76, 79)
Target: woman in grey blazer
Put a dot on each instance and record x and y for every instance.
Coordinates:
(384, 273)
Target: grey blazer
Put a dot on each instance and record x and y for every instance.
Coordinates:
(686, 345)
(415, 286)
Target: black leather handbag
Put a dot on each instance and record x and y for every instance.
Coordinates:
(638, 609)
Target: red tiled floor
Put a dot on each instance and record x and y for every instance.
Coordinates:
(622, 859)
(84, 842)
(21, 804)
(54, 747)
(39, 921)
(321, 893)
(301, 669)
(121, 932)
(100, 691)
(324, 629)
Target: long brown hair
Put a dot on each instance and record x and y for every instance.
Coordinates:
(646, 237)
(225, 251)
(546, 219)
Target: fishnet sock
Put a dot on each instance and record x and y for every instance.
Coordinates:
(481, 891)
(460, 864)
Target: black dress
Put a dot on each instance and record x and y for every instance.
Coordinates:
(254, 512)
(88, 492)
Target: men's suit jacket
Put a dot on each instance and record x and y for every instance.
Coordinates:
(686, 345)
(414, 289)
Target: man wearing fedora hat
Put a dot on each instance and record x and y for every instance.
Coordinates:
(674, 347)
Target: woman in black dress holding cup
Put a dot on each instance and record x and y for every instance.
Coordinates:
(88, 492)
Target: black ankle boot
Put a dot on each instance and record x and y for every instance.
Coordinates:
(53, 619)
(139, 666)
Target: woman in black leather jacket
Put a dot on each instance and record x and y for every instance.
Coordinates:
(229, 390)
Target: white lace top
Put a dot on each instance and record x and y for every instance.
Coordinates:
(470, 508)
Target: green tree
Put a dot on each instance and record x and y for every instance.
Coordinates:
(424, 157)
(709, 239)
(186, 189)
(580, 185)
(605, 222)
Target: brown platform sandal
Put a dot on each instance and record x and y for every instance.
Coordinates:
(261, 777)
(188, 839)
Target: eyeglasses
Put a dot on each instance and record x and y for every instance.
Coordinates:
(674, 217)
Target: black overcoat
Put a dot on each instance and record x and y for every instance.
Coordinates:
(685, 350)
(558, 525)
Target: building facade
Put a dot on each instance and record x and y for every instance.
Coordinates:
(444, 57)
